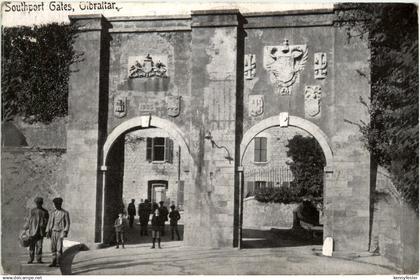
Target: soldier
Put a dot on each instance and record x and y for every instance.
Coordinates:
(36, 226)
(131, 210)
(164, 215)
(57, 229)
(174, 216)
(144, 213)
(120, 226)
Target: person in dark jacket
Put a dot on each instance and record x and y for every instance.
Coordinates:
(36, 226)
(157, 224)
(120, 226)
(131, 210)
(164, 215)
(174, 216)
(144, 215)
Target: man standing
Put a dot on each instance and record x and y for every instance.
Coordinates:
(36, 226)
(144, 213)
(131, 210)
(174, 216)
(58, 228)
(164, 215)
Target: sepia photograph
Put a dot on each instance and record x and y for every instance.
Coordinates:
(209, 138)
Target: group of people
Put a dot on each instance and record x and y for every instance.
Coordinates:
(157, 214)
(40, 224)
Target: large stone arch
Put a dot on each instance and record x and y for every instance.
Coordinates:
(141, 122)
(144, 122)
(293, 121)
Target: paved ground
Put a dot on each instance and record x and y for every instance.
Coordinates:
(266, 254)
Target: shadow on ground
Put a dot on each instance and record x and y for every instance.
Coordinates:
(274, 238)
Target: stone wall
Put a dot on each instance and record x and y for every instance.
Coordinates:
(36, 135)
(26, 174)
(263, 216)
(138, 171)
(395, 227)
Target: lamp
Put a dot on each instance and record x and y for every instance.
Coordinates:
(213, 144)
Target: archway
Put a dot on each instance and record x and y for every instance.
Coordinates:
(113, 154)
(272, 122)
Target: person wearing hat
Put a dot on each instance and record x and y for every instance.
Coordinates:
(36, 225)
(131, 210)
(57, 229)
(163, 211)
(174, 216)
(120, 226)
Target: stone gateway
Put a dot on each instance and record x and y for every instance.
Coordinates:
(213, 81)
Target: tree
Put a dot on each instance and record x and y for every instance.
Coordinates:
(392, 134)
(35, 71)
(307, 166)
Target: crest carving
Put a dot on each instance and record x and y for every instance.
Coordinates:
(147, 67)
(284, 64)
(320, 65)
(312, 101)
(284, 119)
(256, 105)
(120, 106)
(250, 66)
(173, 105)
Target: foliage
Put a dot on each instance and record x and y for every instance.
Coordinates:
(35, 71)
(392, 135)
(307, 167)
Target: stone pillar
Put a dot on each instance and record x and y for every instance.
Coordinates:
(215, 85)
(85, 133)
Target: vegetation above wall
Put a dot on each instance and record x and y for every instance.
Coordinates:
(35, 71)
(392, 135)
(307, 167)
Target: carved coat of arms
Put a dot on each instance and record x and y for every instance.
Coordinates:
(312, 101)
(320, 65)
(173, 104)
(147, 68)
(120, 106)
(250, 66)
(284, 64)
(256, 105)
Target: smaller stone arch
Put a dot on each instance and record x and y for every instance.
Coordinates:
(145, 122)
(294, 121)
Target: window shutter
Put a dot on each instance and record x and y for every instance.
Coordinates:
(263, 147)
(149, 148)
(167, 149)
(171, 150)
(257, 149)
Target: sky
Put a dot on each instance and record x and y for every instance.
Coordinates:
(12, 17)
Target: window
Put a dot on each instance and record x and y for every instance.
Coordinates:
(260, 185)
(159, 149)
(260, 149)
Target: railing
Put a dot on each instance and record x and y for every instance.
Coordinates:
(263, 177)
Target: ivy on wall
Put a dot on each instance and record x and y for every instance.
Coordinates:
(392, 135)
(35, 71)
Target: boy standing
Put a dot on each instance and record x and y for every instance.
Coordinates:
(120, 226)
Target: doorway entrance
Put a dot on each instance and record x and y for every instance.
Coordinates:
(271, 181)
